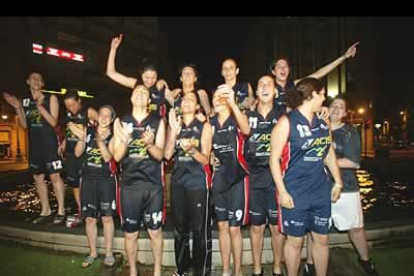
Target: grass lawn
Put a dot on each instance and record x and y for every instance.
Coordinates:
(24, 260)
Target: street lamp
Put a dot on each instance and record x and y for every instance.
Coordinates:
(361, 111)
(351, 112)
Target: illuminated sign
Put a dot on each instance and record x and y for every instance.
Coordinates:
(38, 49)
(82, 94)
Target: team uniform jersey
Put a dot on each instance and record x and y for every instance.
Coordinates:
(191, 204)
(158, 102)
(282, 92)
(305, 177)
(187, 171)
(241, 91)
(258, 146)
(230, 181)
(73, 164)
(142, 179)
(98, 186)
(262, 204)
(43, 140)
(138, 167)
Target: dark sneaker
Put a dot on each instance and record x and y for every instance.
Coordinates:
(369, 267)
(178, 274)
(309, 270)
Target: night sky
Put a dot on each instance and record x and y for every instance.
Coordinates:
(206, 41)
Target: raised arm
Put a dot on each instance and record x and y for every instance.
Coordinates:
(110, 67)
(13, 101)
(331, 66)
(204, 101)
(240, 117)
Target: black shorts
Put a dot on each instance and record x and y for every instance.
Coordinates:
(232, 205)
(73, 168)
(98, 197)
(45, 160)
(263, 206)
(142, 206)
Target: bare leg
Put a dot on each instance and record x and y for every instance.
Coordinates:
(293, 248)
(225, 245)
(320, 253)
(157, 243)
(59, 189)
(278, 240)
(131, 251)
(108, 229)
(91, 234)
(357, 236)
(41, 189)
(236, 248)
(256, 239)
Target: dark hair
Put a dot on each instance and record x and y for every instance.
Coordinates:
(232, 59)
(30, 73)
(191, 65)
(339, 97)
(148, 64)
(113, 115)
(303, 91)
(269, 76)
(273, 63)
(72, 93)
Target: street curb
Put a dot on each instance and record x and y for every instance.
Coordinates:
(78, 243)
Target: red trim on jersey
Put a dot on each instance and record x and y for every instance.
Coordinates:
(240, 151)
(246, 199)
(163, 110)
(118, 200)
(59, 134)
(209, 177)
(285, 158)
(164, 204)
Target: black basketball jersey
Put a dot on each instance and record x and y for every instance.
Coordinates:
(41, 133)
(228, 147)
(81, 120)
(258, 144)
(157, 104)
(241, 91)
(94, 164)
(187, 171)
(138, 167)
